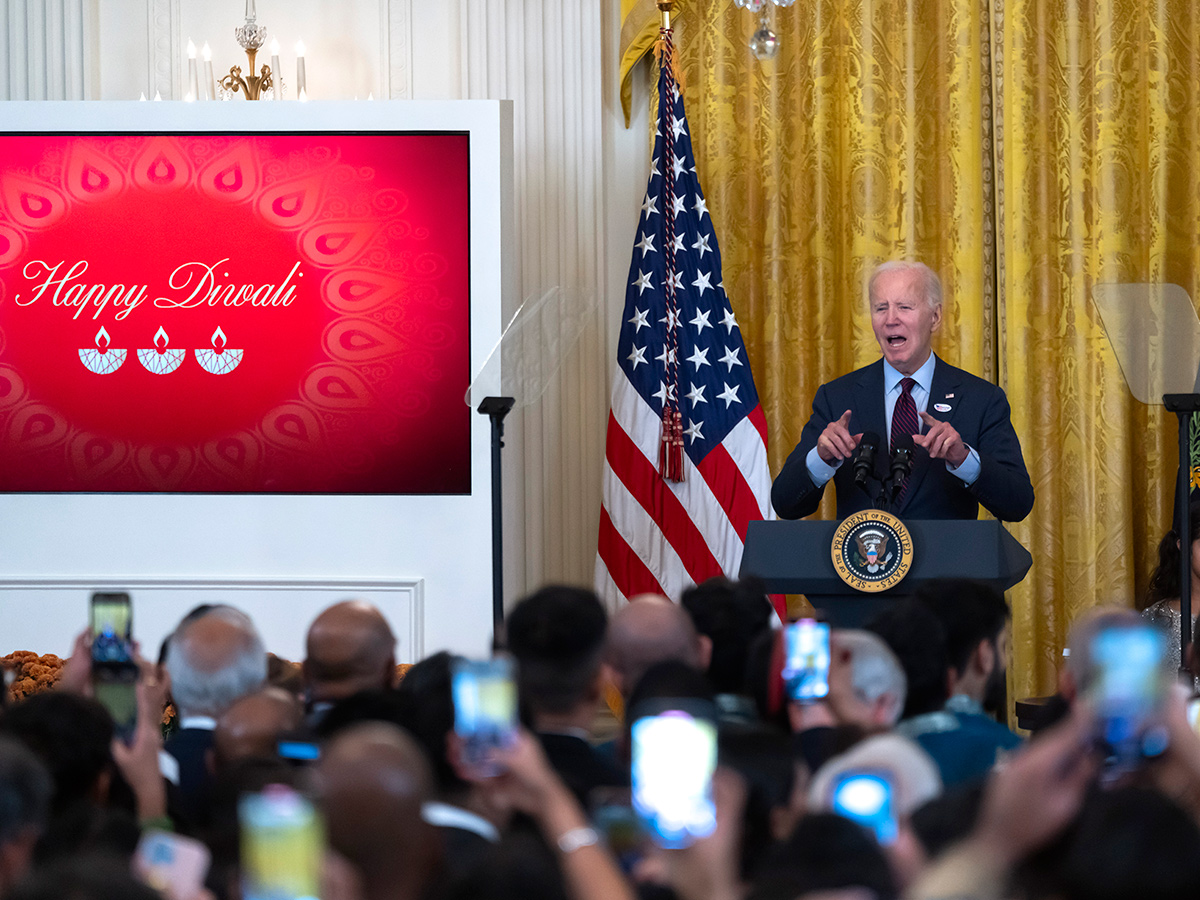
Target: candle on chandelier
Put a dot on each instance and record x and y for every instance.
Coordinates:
(193, 85)
(206, 51)
(301, 88)
(250, 11)
(276, 72)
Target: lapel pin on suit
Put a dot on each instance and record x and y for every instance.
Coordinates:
(942, 407)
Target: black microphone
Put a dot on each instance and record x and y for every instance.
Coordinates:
(902, 463)
(864, 458)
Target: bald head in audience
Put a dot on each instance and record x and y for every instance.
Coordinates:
(250, 729)
(651, 629)
(374, 780)
(350, 648)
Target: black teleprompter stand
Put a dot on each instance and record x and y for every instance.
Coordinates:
(496, 408)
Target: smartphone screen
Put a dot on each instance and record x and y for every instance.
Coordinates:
(112, 630)
(282, 843)
(172, 864)
(298, 750)
(485, 710)
(1129, 687)
(866, 797)
(116, 690)
(806, 668)
(674, 755)
(114, 672)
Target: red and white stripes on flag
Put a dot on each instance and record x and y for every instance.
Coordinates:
(668, 522)
(660, 537)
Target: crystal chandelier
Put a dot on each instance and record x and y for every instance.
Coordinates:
(763, 43)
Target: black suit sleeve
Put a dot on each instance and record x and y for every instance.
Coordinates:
(1003, 486)
(793, 493)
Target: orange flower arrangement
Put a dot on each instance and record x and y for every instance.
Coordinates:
(27, 673)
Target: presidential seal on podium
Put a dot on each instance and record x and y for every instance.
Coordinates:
(872, 551)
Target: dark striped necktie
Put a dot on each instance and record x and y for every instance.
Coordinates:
(904, 416)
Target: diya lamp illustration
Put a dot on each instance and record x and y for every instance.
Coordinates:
(220, 360)
(160, 359)
(102, 359)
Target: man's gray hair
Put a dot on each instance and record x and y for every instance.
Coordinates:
(205, 679)
(875, 671)
(25, 791)
(933, 284)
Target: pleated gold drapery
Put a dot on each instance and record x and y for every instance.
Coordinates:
(1100, 168)
(1026, 150)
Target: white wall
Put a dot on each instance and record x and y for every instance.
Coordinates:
(578, 179)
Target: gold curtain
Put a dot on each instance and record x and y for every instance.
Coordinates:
(1099, 163)
(1026, 149)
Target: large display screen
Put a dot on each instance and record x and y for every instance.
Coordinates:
(260, 313)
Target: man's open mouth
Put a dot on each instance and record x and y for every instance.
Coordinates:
(896, 339)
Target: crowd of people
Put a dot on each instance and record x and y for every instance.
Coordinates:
(400, 807)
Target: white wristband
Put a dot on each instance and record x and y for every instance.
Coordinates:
(577, 839)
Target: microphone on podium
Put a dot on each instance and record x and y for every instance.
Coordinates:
(864, 458)
(902, 463)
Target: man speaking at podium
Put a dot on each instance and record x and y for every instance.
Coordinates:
(963, 449)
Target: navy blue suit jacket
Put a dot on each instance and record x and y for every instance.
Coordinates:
(979, 411)
(190, 748)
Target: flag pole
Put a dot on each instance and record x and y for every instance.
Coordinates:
(670, 461)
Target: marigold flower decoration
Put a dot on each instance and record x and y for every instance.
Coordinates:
(26, 673)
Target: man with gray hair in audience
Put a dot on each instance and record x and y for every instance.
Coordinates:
(213, 660)
(874, 686)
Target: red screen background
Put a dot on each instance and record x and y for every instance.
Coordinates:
(334, 266)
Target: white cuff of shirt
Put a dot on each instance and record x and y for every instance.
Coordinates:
(819, 470)
(969, 470)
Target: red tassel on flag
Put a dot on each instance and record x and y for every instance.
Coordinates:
(670, 457)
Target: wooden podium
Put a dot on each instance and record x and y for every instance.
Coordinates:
(795, 557)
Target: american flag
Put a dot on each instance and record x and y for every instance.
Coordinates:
(680, 346)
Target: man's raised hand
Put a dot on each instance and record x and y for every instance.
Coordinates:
(836, 443)
(941, 441)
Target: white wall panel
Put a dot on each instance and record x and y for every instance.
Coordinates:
(45, 57)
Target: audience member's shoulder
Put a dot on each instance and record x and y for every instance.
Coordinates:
(988, 729)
